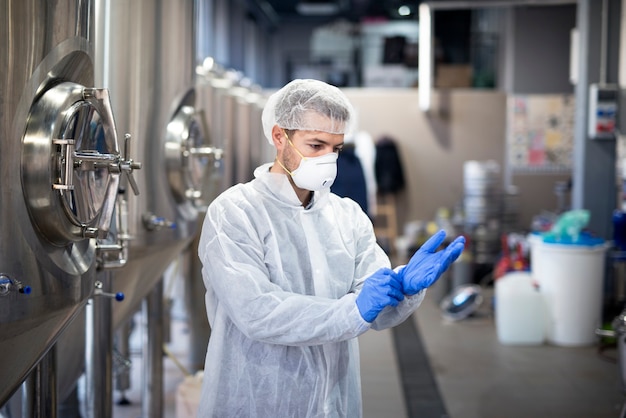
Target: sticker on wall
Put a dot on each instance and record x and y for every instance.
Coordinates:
(540, 132)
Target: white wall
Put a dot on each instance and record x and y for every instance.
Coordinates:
(465, 125)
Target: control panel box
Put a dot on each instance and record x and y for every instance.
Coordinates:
(603, 101)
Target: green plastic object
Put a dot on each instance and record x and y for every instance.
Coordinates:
(568, 227)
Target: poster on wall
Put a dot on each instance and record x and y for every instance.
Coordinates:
(540, 133)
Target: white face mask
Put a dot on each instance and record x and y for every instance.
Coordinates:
(314, 173)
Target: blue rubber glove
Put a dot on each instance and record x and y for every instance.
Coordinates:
(381, 289)
(428, 264)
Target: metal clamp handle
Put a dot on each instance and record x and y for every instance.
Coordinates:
(206, 152)
(67, 159)
(115, 255)
(127, 165)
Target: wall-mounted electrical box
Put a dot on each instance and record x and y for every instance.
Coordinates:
(603, 101)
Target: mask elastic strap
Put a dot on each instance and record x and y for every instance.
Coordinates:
(284, 168)
(293, 146)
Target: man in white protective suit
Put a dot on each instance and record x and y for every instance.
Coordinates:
(294, 274)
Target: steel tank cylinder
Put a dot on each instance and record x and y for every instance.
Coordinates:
(247, 136)
(238, 109)
(221, 97)
(210, 85)
(231, 110)
(61, 168)
(148, 65)
(260, 149)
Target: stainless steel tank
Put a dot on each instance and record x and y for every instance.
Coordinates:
(148, 65)
(247, 100)
(61, 166)
(232, 107)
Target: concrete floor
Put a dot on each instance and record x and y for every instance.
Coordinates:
(480, 378)
(477, 377)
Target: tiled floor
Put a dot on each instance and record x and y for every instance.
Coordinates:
(476, 375)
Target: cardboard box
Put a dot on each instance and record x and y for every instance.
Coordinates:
(453, 76)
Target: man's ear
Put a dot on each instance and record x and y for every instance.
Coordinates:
(278, 137)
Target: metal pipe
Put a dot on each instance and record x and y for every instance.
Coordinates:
(604, 29)
(122, 372)
(98, 353)
(39, 394)
(153, 353)
(196, 310)
(621, 77)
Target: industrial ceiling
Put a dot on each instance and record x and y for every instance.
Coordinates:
(328, 10)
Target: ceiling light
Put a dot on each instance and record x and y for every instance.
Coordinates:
(404, 10)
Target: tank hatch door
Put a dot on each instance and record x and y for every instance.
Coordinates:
(71, 163)
(190, 159)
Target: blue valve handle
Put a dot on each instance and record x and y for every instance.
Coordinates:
(162, 221)
(119, 296)
(13, 284)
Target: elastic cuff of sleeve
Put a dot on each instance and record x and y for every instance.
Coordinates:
(362, 324)
(399, 268)
(416, 298)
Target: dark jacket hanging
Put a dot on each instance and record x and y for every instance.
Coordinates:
(388, 167)
(350, 181)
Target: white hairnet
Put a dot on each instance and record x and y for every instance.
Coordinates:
(296, 105)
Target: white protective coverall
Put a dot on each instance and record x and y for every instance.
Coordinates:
(281, 283)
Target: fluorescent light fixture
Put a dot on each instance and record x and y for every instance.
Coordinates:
(573, 56)
(317, 8)
(425, 70)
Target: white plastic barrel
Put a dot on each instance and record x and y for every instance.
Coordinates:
(188, 396)
(571, 279)
(520, 310)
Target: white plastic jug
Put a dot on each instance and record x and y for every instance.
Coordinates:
(520, 310)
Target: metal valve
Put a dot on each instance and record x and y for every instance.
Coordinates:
(119, 296)
(7, 285)
(114, 163)
(155, 223)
